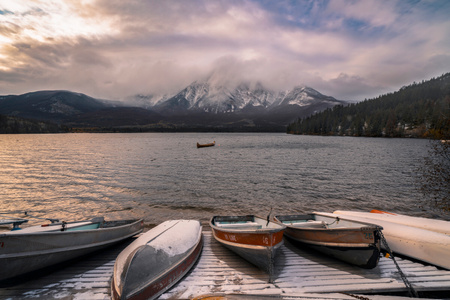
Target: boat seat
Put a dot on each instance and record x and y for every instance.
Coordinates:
(309, 224)
(84, 227)
(241, 226)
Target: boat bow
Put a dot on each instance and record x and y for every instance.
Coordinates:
(157, 260)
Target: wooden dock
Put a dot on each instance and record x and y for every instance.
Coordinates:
(299, 274)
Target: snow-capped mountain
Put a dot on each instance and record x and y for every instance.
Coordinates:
(203, 105)
(205, 97)
(303, 96)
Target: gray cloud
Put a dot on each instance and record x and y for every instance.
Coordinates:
(113, 49)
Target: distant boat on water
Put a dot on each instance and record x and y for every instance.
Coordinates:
(206, 145)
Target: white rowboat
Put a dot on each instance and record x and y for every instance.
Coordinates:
(157, 260)
(423, 223)
(425, 245)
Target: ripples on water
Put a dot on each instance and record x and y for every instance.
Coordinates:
(164, 176)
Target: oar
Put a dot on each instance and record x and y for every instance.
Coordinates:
(48, 219)
(268, 216)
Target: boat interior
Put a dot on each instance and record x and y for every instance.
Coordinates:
(243, 222)
(318, 221)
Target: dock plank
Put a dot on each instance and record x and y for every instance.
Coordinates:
(297, 272)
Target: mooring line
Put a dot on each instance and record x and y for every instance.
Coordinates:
(412, 292)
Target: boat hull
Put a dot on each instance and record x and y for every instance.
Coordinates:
(259, 255)
(22, 253)
(258, 246)
(147, 267)
(357, 244)
(426, 245)
(366, 257)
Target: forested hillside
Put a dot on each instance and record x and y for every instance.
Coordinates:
(10, 124)
(417, 110)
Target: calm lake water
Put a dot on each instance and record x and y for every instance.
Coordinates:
(161, 176)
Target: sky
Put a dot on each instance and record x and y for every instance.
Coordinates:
(112, 49)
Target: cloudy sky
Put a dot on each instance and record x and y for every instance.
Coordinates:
(115, 48)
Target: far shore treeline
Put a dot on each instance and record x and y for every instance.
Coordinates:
(419, 110)
(14, 125)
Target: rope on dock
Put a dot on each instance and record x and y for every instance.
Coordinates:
(412, 292)
(357, 296)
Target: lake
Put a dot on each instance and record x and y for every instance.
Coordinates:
(161, 176)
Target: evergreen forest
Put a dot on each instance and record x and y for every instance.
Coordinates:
(418, 110)
(10, 124)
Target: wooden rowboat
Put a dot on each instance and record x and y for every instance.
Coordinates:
(410, 236)
(157, 260)
(354, 242)
(36, 247)
(206, 145)
(252, 237)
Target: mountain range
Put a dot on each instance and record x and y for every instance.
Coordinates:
(199, 106)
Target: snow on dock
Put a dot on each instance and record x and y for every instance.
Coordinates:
(219, 271)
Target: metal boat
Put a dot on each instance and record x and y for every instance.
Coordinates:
(35, 247)
(354, 242)
(157, 260)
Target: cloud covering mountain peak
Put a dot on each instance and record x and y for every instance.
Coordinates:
(213, 96)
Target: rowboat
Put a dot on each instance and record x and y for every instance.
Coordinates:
(157, 260)
(253, 238)
(354, 242)
(411, 240)
(206, 145)
(423, 223)
(36, 247)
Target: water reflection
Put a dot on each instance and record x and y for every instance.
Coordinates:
(164, 176)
